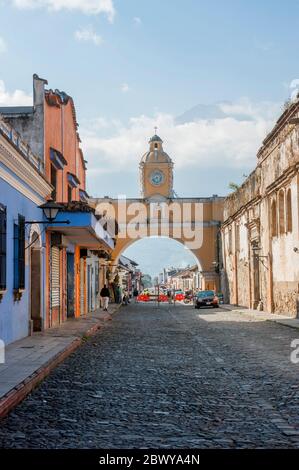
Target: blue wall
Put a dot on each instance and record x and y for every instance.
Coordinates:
(14, 316)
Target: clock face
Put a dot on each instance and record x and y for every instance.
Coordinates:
(157, 177)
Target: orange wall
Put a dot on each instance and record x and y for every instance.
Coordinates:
(61, 134)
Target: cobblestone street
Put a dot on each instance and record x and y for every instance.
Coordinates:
(168, 377)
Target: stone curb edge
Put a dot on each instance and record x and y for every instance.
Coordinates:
(20, 391)
(274, 320)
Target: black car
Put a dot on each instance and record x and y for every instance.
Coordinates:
(206, 298)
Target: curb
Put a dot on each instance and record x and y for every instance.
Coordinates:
(278, 321)
(12, 398)
(17, 394)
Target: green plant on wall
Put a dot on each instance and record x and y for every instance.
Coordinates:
(233, 186)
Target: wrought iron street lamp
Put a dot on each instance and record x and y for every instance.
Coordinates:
(50, 210)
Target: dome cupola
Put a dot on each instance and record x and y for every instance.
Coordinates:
(156, 170)
(156, 152)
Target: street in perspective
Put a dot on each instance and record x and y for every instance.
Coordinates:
(168, 377)
(149, 233)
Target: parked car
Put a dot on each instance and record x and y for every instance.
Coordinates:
(206, 298)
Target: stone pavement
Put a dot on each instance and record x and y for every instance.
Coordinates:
(286, 319)
(167, 377)
(29, 360)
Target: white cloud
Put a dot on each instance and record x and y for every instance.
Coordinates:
(88, 7)
(3, 47)
(137, 20)
(15, 98)
(125, 88)
(226, 141)
(246, 109)
(88, 35)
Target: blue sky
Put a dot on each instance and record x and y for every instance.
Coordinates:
(132, 64)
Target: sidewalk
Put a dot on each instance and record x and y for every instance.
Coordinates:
(29, 360)
(285, 320)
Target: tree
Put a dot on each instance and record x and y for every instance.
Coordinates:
(147, 281)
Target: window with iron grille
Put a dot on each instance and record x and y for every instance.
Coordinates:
(19, 253)
(3, 223)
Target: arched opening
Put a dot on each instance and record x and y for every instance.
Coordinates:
(169, 254)
(289, 211)
(281, 210)
(35, 282)
(273, 219)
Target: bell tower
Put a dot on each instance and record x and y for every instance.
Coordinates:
(156, 171)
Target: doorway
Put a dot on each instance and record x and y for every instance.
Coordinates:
(35, 283)
(70, 285)
(256, 291)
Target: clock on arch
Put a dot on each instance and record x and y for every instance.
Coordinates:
(157, 177)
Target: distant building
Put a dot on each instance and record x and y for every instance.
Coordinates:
(184, 279)
(130, 277)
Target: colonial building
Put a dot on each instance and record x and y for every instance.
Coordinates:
(129, 275)
(76, 242)
(23, 188)
(260, 233)
(185, 279)
(194, 222)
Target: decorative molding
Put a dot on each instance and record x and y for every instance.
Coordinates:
(6, 176)
(15, 162)
(20, 145)
(283, 180)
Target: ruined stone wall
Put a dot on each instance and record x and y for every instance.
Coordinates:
(262, 264)
(226, 278)
(249, 191)
(243, 283)
(286, 297)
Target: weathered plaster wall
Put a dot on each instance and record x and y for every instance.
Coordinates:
(262, 264)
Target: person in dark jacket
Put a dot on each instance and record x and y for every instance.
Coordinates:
(135, 294)
(105, 295)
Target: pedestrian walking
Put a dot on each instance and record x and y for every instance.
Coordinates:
(105, 295)
(135, 294)
(125, 298)
(117, 294)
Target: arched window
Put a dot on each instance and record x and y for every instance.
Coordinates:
(289, 211)
(273, 219)
(281, 209)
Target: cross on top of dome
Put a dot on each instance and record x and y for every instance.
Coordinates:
(155, 137)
